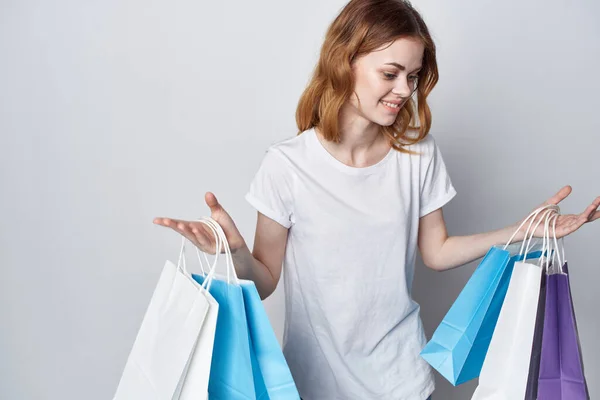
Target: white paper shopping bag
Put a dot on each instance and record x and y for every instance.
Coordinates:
(195, 384)
(162, 352)
(506, 367)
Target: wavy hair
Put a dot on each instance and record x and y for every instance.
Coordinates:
(361, 27)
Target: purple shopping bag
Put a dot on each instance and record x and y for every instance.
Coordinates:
(561, 366)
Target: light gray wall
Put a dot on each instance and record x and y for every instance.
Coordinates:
(113, 112)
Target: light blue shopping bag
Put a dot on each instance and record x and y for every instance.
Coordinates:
(231, 376)
(272, 377)
(458, 346)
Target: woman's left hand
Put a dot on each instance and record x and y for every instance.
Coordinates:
(565, 224)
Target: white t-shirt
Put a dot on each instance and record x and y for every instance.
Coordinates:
(352, 330)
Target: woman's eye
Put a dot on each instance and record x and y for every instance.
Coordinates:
(389, 76)
(414, 77)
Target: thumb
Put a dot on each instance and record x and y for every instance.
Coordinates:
(212, 202)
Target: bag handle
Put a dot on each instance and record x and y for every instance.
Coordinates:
(548, 245)
(222, 243)
(182, 265)
(218, 248)
(551, 242)
(531, 231)
(529, 236)
(561, 262)
(533, 214)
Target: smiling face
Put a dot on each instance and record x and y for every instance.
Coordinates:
(385, 80)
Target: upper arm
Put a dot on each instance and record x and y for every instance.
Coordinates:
(436, 190)
(432, 235)
(271, 193)
(270, 240)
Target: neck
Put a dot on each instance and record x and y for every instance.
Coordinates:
(356, 132)
(361, 144)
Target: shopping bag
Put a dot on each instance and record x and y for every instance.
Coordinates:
(272, 377)
(168, 335)
(506, 367)
(231, 376)
(459, 345)
(561, 375)
(195, 383)
(536, 348)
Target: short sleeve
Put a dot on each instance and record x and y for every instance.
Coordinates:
(271, 190)
(436, 185)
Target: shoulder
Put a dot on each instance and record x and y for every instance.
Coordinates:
(283, 156)
(425, 148)
(290, 144)
(290, 149)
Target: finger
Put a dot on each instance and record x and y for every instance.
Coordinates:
(591, 210)
(160, 221)
(202, 236)
(185, 229)
(206, 237)
(168, 222)
(559, 196)
(594, 216)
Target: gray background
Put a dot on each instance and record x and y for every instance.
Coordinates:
(114, 112)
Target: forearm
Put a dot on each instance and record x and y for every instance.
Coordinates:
(460, 250)
(249, 268)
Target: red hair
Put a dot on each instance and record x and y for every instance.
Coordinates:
(361, 27)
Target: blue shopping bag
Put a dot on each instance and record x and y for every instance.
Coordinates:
(272, 377)
(458, 346)
(231, 376)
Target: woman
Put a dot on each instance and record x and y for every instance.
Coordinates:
(345, 204)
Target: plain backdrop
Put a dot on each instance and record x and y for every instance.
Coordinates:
(113, 112)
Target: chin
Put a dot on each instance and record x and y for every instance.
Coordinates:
(378, 118)
(388, 122)
(383, 121)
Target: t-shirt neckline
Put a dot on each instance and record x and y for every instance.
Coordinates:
(329, 158)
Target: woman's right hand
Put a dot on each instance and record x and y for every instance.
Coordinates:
(200, 234)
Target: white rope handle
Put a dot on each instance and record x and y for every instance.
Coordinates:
(182, 265)
(552, 238)
(548, 244)
(181, 261)
(529, 236)
(545, 217)
(533, 214)
(218, 246)
(223, 240)
(544, 242)
(562, 262)
(552, 245)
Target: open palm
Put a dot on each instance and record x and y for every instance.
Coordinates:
(199, 234)
(569, 223)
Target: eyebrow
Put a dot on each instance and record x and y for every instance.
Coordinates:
(402, 67)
